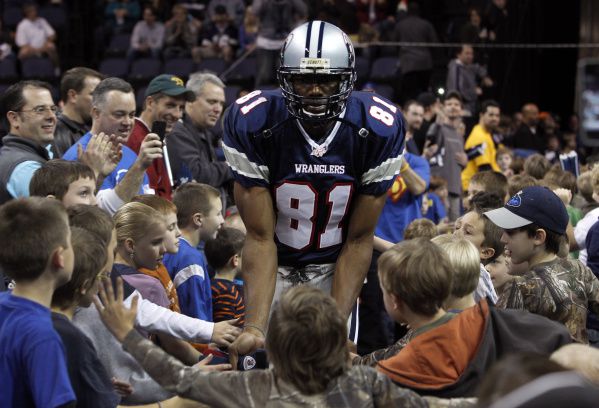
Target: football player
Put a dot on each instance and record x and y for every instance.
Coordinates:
(312, 163)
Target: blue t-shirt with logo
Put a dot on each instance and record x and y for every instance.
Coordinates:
(114, 178)
(33, 370)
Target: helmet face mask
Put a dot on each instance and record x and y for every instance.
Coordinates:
(317, 72)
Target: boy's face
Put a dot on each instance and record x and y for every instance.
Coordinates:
(518, 245)
(212, 221)
(81, 191)
(68, 260)
(504, 161)
(471, 226)
(150, 249)
(171, 238)
(500, 271)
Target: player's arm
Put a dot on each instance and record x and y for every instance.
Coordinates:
(259, 267)
(354, 259)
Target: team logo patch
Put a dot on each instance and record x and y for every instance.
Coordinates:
(249, 362)
(516, 200)
(177, 80)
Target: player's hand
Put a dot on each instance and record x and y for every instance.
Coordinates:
(225, 333)
(150, 150)
(116, 317)
(203, 365)
(247, 342)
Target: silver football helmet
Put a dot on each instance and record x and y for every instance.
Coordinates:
(317, 51)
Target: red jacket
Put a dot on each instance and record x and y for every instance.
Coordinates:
(157, 172)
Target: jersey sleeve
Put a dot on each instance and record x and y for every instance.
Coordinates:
(243, 123)
(476, 149)
(386, 144)
(193, 289)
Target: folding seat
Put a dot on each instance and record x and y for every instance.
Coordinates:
(245, 72)
(119, 45)
(55, 15)
(38, 68)
(384, 69)
(215, 65)
(12, 16)
(362, 69)
(8, 69)
(231, 92)
(144, 69)
(181, 67)
(114, 67)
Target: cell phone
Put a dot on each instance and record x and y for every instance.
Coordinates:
(159, 127)
(588, 100)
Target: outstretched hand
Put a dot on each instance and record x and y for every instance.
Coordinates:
(114, 314)
(246, 343)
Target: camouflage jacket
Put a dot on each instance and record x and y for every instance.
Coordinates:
(562, 290)
(357, 387)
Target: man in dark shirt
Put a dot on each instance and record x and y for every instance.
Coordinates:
(75, 119)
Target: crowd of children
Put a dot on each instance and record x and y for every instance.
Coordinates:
(138, 307)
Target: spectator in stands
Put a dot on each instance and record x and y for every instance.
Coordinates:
(529, 135)
(165, 99)
(519, 181)
(431, 105)
(113, 113)
(147, 37)
(70, 182)
(489, 182)
(236, 10)
(413, 113)
(37, 253)
(536, 166)
(534, 223)
(467, 78)
(35, 37)
(75, 119)
(168, 211)
(199, 215)
(224, 256)
(420, 228)
(121, 15)
(445, 150)
(416, 63)
(6, 43)
(485, 236)
(591, 217)
(218, 38)
(31, 114)
(190, 143)
(480, 146)
(181, 34)
(248, 31)
(499, 269)
(504, 160)
(473, 31)
(277, 19)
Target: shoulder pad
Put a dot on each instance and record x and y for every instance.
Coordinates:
(257, 111)
(375, 113)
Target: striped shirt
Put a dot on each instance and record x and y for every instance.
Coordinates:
(227, 301)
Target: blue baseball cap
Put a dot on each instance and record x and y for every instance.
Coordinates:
(532, 205)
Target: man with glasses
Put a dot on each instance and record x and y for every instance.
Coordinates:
(31, 115)
(113, 114)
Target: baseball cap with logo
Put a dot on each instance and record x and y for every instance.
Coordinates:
(532, 205)
(170, 85)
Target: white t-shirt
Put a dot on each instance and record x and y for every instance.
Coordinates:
(33, 33)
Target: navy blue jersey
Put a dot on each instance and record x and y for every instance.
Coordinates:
(312, 183)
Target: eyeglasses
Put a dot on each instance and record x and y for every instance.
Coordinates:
(40, 110)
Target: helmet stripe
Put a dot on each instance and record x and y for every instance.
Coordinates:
(308, 32)
(314, 38)
(320, 37)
